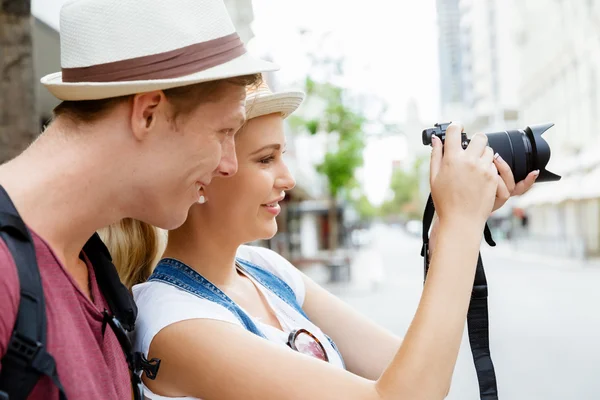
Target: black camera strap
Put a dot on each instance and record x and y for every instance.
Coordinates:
(477, 315)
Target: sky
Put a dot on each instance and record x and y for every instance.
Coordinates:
(389, 49)
(390, 46)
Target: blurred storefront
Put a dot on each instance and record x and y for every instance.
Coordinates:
(563, 218)
(560, 83)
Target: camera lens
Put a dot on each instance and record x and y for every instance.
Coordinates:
(524, 151)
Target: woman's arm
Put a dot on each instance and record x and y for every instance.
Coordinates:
(367, 347)
(211, 359)
(428, 353)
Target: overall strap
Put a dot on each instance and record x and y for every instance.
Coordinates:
(282, 290)
(175, 273)
(272, 282)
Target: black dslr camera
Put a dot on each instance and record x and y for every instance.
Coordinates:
(523, 149)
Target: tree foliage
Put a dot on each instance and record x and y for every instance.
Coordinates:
(344, 154)
(337, 118)
(404, 185)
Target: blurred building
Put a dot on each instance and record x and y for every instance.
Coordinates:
(46, 60)
(560, 65)
(450, 58)
(479, 73)
(559, 45)
(490, 69)
(530, 62)
(479, 68)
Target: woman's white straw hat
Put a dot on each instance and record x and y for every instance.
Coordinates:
(112, 48)
(261, 101)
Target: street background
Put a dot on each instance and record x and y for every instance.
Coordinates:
(544, 314)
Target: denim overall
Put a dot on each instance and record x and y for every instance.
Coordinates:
(178, 274)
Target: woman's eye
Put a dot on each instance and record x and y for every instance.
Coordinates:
(267, 160)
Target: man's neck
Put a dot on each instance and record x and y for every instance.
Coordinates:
(63, 191)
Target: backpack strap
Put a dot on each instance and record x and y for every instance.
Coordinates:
(26, 359)
(477, 315)
(119, 299)
(121, 305)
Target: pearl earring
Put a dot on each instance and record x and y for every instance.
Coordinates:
(202, 200)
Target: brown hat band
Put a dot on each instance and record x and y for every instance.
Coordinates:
(171, 64)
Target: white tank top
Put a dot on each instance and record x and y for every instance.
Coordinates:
(160, 305)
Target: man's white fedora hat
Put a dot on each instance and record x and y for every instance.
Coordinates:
(261, 101)
(112, 48)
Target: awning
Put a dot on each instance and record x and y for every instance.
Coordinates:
(576, 186)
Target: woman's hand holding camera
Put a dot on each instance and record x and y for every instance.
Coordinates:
(464, 183)
(506, 183)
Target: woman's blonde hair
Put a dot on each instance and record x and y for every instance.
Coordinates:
(135, 247)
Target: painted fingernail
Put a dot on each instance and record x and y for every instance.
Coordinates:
(536, 173)
(497, 157)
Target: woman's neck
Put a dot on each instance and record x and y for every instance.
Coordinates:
(207, 253)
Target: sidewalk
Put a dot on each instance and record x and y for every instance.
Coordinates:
(367, 272)
(370, 269)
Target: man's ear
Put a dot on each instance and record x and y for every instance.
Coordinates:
(144, 112)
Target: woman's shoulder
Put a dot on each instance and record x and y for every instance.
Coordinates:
(160, 305)
(157, 297)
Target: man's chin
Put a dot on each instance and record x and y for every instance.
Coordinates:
(172, 220)
(169, 224)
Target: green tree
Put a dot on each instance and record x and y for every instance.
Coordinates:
(365, 209)
(346, 154)
(404, 185)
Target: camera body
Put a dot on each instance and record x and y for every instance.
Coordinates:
(439, 130)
